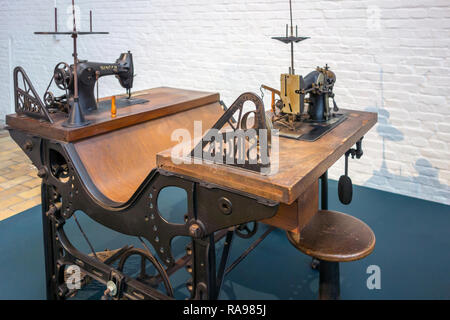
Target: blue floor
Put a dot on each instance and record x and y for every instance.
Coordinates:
(412, 251)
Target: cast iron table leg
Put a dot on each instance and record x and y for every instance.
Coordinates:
(329, 286)
(49, 252)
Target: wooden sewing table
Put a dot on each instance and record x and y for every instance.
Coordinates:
(114, 168)
(300, 165)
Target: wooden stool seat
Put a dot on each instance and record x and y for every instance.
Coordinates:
(334, 236)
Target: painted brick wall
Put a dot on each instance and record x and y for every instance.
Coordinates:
(391, 57)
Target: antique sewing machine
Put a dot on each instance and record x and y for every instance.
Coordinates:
(302, 110)
(112, 165)
(78, 82)
(88, 75)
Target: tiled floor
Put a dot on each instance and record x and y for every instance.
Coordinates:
(20, 188)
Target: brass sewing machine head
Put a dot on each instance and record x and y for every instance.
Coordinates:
(317, 86)
(302, 110)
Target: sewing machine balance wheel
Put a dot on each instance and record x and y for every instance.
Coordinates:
(63, 76)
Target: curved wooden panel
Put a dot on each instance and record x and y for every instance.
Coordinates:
(119, 161)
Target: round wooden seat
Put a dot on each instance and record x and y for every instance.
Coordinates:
(334, 236)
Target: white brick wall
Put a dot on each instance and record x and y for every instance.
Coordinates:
(389, 56)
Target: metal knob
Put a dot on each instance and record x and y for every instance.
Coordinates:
(42, 173)
(195, 231)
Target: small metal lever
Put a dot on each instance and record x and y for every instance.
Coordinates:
(345, 185)
(358, 152)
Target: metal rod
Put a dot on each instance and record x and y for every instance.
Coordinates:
(329, 288)
(56, 19)
(212, 279)
(117, 255)
(249, 249)
(96, 78)
(224, 259)
(85, 237)
(324, 191)
(75, 54)
(292, 71)
(323, 203)
(292, 58)
(290, 11)
(90, 20)
(49, 244)
(346, 164)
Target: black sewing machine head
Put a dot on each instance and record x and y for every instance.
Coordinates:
(319, 85)
(78, 81)
(88, 73)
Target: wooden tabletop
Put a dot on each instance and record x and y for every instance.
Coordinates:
(300, 162)
(163, 101)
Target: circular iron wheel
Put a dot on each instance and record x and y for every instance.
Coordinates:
(63, 76)
(152, 281)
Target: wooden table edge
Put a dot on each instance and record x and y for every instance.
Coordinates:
(283, 194)
(15, 121)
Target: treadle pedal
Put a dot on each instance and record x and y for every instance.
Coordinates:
(107, 256)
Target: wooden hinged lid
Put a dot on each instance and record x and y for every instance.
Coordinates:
(163, 101)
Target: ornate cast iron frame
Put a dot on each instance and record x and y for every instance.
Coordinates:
(213, 211)
(26, 100)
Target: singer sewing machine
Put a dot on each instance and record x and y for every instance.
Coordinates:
(78, 82)
(88, 75)
(113, 164)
